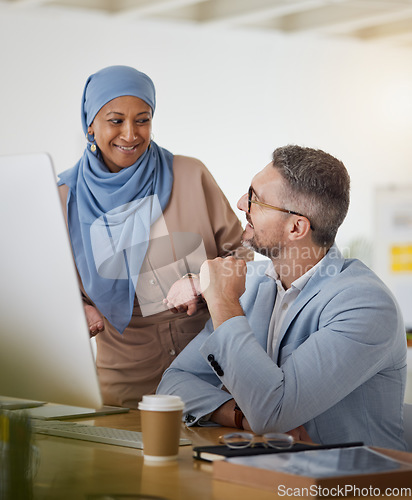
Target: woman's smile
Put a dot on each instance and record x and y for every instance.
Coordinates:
(126, 148)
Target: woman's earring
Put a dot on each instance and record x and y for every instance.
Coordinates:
(93, 146)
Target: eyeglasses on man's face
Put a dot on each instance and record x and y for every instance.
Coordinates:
(250, 201)
(239, 440)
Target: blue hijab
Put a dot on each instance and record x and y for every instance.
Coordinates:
(110, 214)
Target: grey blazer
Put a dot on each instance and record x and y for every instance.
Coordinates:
(340, 366)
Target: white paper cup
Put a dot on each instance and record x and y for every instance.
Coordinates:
(161, 417)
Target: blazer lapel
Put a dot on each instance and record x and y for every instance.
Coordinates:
(261, 311)
(330, 267)
(296, 307)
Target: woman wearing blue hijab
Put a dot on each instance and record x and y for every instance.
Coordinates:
(139, 219)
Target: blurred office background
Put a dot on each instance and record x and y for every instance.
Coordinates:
(235, 79)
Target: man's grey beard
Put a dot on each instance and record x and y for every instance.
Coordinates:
(272, 252)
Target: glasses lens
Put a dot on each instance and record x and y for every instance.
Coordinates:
(278, 441)
(237, 439)
(249, 199)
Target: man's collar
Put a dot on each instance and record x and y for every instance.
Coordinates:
(304, 278)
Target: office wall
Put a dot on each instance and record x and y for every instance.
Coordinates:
(228, 97)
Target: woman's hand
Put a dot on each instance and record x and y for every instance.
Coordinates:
(94, 320)
(184, 295)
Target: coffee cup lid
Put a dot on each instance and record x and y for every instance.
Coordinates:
(161, 402)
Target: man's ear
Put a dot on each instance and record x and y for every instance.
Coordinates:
(299, 228)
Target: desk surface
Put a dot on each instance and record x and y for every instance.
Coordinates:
(76, 470)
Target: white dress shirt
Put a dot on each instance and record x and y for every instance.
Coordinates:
(284, 299)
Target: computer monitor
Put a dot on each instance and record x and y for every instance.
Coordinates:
(45, 349)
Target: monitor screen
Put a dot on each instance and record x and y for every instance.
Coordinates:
(45, 349)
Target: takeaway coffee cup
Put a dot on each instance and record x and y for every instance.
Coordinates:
(161, 418)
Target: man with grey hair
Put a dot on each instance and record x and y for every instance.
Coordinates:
(310, 342)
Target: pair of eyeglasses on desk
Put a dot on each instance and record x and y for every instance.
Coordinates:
(238, 440)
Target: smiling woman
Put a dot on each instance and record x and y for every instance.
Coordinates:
(122, 131)
(139, 219)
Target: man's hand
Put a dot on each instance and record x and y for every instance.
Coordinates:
(222, 282)
(300, 434)
(184, 295)
(225, 416)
